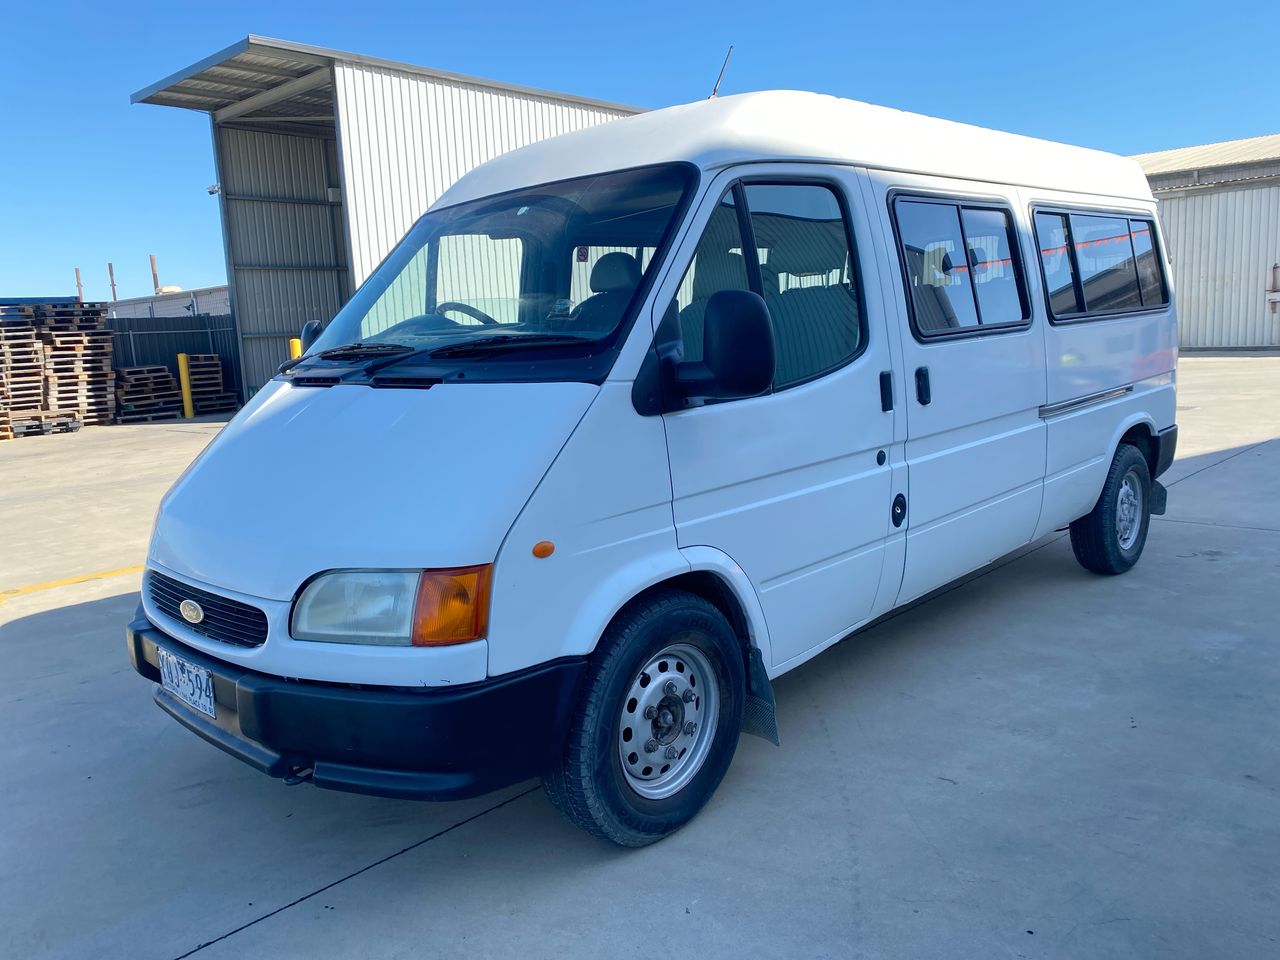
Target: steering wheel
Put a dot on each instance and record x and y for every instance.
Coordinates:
(472, 312)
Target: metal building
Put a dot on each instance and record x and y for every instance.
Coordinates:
(210, 300)
(1220, 206)
(326, 158)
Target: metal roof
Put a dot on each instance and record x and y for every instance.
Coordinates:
(285, 85)
(1225, 154)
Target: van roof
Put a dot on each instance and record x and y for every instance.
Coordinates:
(798, 126)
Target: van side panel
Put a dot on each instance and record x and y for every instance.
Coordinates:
(1104, 377)
(605, 504)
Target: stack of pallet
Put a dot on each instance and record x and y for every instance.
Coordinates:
(207, 393)
(144, 394)
(22, 373)
(78, 378)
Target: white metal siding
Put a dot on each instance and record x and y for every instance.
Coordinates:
(405, 138)
(1223, 242)
(285, 251)
(211, 300)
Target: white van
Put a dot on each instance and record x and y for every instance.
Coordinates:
(638, 418)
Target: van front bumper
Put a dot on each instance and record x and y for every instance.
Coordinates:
(428, 744)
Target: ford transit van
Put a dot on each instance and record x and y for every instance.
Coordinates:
(636, 419)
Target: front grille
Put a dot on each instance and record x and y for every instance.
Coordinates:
(225, 620)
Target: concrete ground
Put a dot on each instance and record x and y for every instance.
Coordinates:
(1038, 763)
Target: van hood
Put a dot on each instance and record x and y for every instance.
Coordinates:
(306, 479)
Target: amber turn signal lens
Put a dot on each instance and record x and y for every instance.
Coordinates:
(452, 606)
(543, 549)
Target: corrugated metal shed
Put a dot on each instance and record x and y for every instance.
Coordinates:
(406, 137)
(326, 158)
(1220, 207)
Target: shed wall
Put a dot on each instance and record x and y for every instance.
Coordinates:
(1223, 242)
(405, 138)
(285, 247)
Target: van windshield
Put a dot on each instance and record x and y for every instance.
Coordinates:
(549, 276)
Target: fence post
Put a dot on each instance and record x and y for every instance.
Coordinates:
(184, 381)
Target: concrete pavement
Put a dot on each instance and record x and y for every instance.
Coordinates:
(1036, 763)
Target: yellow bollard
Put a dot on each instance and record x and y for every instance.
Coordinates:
(184, 381)
(295, 348)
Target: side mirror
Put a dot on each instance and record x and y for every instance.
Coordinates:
(310, 331)
(738, 355)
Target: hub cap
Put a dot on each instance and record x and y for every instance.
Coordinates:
(1128, 511)
(668, 721)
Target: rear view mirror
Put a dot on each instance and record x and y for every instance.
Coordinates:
(310, 331)
(737, 349)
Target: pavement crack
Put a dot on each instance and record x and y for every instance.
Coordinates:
(355, 873)
(1218, 463)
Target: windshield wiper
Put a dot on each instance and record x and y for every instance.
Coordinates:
(478, 346)
(361, 350)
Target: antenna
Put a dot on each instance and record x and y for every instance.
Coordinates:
(716, 89)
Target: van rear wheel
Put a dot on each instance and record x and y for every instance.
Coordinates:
(660, 711)
(1110, 538)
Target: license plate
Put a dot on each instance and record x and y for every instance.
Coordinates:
(191, 684)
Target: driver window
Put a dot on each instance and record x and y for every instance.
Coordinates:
(717, 265)
(482, 272)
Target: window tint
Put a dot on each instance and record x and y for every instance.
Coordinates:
(1104, 257)
(717, 265)
(1150, 279)
(806, 278)
(991, 265)
(1055, 258)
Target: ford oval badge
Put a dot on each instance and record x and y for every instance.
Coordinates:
(191, 611)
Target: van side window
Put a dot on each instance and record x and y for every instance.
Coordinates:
(1099, 265)
(1104, 256)
(960, 266)
(717, 265)
(806, 276)
(1058, 264)
(1150, 277)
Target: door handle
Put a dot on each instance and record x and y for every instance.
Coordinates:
(923, 393)
(886, 390)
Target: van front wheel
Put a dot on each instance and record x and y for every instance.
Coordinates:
(660, 711)
(1110, 539)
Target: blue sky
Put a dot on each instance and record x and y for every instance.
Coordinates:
(86, 177)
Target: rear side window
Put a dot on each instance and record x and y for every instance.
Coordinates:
(961, 266)
(1098, 265)
(1150, 276)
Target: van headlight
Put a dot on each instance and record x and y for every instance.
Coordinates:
(399, 608)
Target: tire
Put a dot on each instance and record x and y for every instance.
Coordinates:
(608, 764)
(1109, 539)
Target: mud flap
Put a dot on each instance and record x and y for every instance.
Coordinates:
(1159, 498)
(759, 714)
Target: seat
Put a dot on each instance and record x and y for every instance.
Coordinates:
(713, 270)
(814, 321)
(614, 280)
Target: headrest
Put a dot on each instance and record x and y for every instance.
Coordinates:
(812, 253)
(715, 270)
(615, 272)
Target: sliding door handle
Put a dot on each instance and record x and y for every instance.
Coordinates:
(923, 392)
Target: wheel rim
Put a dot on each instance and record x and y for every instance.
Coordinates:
(668, 721)
(1128, 511)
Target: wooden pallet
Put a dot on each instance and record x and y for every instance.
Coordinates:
(207, 393)
(146, 394)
